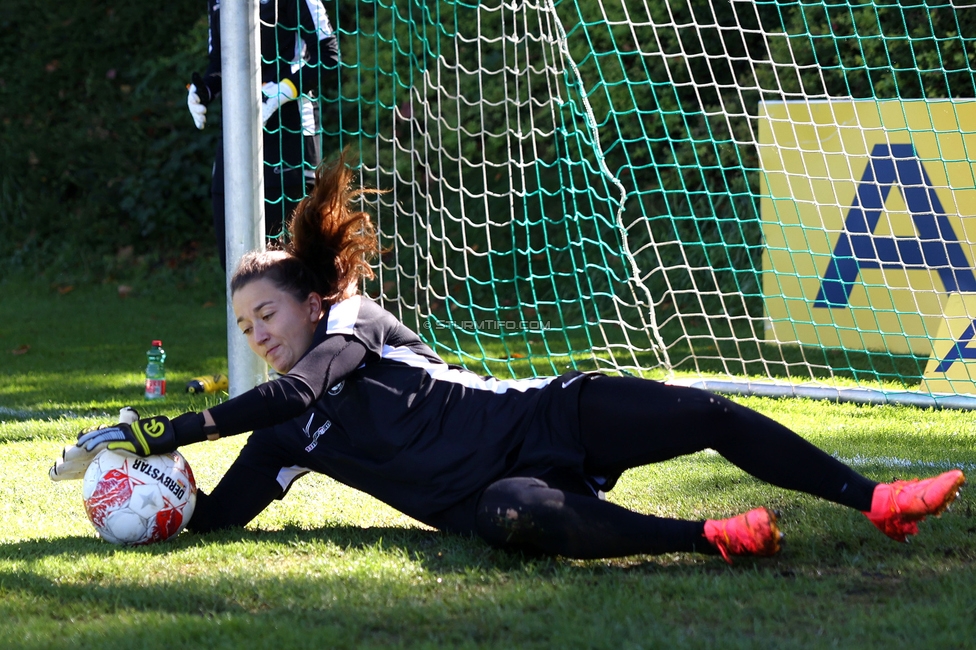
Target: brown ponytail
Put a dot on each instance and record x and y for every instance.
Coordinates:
(336, 241)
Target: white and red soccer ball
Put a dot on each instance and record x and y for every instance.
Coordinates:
(133, 501)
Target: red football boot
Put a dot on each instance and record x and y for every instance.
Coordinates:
(896, 508)
(751, 533)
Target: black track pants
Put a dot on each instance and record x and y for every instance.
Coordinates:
(627, 422)
(279, 202)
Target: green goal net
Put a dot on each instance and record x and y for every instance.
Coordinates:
(775, 192)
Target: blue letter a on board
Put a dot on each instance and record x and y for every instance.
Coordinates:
(959, 350)
(936, 247)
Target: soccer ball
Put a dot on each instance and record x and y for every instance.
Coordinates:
(133, 501)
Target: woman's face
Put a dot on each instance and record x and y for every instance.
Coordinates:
(278, 327)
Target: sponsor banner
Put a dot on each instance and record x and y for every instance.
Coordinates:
(952, 366)
(867, 218)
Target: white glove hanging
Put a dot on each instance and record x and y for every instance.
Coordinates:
(197, 109)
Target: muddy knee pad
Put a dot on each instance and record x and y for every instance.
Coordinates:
(522, 513)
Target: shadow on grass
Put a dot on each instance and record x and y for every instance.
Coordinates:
(437, 552)
(819, 533)
(262, 586)
(351, 607)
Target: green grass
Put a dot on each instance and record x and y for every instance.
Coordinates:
(331, 567)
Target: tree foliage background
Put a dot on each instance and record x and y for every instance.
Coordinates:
(100, 163)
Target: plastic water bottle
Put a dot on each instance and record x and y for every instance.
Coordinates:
(156, 372)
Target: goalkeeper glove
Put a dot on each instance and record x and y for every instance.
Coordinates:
(275, 96)
(72, 465)
(75, 460)
(145, 437)
(197, 98)
(197, 110)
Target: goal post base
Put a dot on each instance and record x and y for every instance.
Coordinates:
(831, 394)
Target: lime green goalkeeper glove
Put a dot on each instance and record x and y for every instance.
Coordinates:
(145, 437)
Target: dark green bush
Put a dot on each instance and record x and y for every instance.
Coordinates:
(99, 161)
(98, 153)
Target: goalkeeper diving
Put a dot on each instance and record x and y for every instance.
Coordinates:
(523, 464)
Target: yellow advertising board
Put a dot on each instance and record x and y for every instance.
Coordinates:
(952, 366)
(867, 219)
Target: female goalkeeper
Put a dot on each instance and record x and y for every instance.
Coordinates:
(521, 463)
